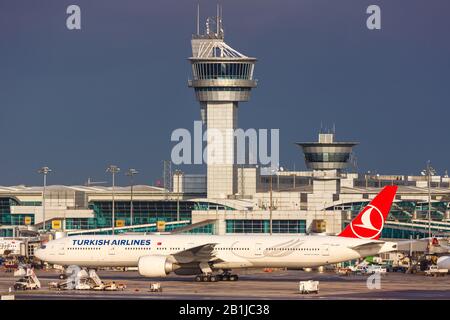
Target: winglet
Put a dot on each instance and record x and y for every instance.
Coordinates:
(370, 221)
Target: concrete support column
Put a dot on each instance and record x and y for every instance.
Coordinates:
(221, 170)
(220, 227)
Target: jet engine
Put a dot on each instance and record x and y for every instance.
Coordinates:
(444, 262)
(155, 266)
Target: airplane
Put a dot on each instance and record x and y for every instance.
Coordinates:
(443, 262)
(207, 255)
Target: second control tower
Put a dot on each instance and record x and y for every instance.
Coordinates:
(222, 77)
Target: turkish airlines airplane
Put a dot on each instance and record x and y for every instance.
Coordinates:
(443, 262)
(205, 255)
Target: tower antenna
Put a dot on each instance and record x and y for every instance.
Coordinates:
(217, 20)
(221, 15)
(198, 18)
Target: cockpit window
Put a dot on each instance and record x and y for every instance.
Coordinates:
(43, 246)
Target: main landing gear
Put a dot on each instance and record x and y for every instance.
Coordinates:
(226, 276)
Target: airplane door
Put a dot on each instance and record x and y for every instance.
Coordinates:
(112, 250)
(325, 249)
(258, 249)
(51, 249)
(61, 248)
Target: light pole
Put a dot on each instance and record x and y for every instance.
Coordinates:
(113, 169)
(130, 173)
(271, 200)
(429, 171)
(367, 177)
(44, 171)
(178, 173)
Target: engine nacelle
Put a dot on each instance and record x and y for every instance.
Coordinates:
(444, 262)
(154, 266)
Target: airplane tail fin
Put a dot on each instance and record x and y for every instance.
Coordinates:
(370, 221)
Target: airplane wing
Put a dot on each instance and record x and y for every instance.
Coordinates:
(367, 245)
(422, 245)
(203, 253)
(414, 245)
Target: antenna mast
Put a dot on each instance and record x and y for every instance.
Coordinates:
(220, 19)
(198, 18)
(217, 21)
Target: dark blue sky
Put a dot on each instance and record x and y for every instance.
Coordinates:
(114, 91)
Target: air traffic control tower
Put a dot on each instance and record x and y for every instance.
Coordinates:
(222, 77)
(327, 158)
(327, 154)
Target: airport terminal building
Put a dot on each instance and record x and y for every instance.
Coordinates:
(321, 200)
(230, 198)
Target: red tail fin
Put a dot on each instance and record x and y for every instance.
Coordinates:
(370, 221)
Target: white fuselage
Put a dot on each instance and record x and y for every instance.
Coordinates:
(228, 251)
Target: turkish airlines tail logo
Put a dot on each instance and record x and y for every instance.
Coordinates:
(370, 221)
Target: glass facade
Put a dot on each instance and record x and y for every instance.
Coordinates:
(205, 89)
(402, 211)
(80, 223)
(263, 226)
(8, 219)
(19, 219)
(149, 212)
(391, 233)
(31, 203)
(327, 157)
(144, 212)
(5, 210)
(409, 212)
(227, 70)
(208, 229)
(143, 229)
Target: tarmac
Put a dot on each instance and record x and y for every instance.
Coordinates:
(252, 284)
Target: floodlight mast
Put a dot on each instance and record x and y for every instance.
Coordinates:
(130, 173)
(44, 171)
(113, 169)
